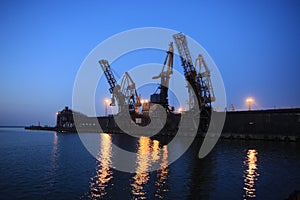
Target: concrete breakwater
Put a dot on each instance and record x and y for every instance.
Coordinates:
(270, 137)
(274, 124)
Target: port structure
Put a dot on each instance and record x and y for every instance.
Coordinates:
(167, 69)
(204, 74)
(125, 94)
(129, 90)
(197, 75)
(199, 84)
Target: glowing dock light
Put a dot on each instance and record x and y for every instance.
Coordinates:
(180, 110)
(106, 102)
(144, 101)
(249, 101)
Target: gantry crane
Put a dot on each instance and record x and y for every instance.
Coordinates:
(199, 92)
(129, 90)
(162, 97)
(204, 73)
(125, 94)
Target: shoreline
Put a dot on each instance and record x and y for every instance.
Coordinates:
(224, 135)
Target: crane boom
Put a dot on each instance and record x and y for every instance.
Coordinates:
(108, 74)
(199, 86)
(125, 93)
(204, 73)
(183, 50)
(190, 72)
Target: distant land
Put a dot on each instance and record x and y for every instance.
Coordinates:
(7, 126)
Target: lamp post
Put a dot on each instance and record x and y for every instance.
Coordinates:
(249, 101)
(106, 102)
(180, 110)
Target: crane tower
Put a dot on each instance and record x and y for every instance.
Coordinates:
(162, 97)
(199, 85)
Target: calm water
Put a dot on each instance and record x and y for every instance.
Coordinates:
(48, 165)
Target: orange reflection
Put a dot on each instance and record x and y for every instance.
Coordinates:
(143, 162)
(104, 174)
(149, 153)
(162, 174)
(155, 152)
(251, 174)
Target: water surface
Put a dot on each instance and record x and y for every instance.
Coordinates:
(49, 165)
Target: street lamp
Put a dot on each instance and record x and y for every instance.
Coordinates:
(249, 100)
(106, 102)
(180, 110)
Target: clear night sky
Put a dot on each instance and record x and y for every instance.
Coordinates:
(255, 44)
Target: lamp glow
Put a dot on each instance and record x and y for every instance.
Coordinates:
(106, 102)
(180, 110)
(249, 101)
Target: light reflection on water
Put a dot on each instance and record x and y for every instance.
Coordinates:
(46, 165)
(54, 165)
(162, 174)
(54, 153)
(250, 174)
(143, 163)
(104, 173)
(148, 153)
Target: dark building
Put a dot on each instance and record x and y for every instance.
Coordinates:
(65, 118)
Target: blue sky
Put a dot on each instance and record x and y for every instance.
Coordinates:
(255, 45)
